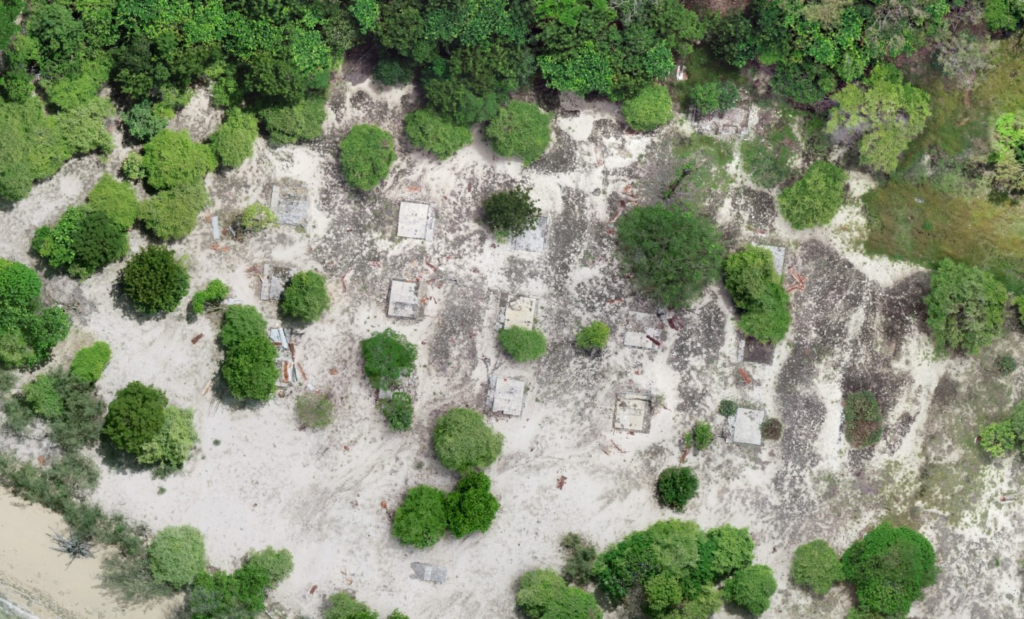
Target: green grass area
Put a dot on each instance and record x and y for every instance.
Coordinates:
(702, 67)
(767, 158)
(701, 170)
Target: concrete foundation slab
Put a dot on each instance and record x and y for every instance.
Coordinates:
(745, 426)
(632, 412)
(402, 300)
(274, 279)
(506, 395)
(520, 312)
(290, 202)
(416, 221)
(532, 240)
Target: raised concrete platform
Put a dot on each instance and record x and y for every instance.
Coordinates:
(402, 300)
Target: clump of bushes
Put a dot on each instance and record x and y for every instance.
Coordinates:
(172, 214)
(28, 331)
(863, 419)
(579, 568)
(1000, 438)
(257, 217)
(771, 429)
(676, 486)
(671, 252)
(114, 199)
(397, 410)
(751, 588)
(701, 437)
(177, 555)
(89, 362)
(510, 213)
(142, 123)
(712, 97)
(241, 593)
(421, 519)
(313, 410)
(298, 123)
(470, 507)
(81, 243)
(429, 131)
(758, 293)
(66, 403)
(965, 308)
(520, 130)
(173, 444)
(816, 566)
(132, 167)
(543, 593)
(249, 366)
(649, 109)
(727, 408)
(387, 358)
(172, 159)
(344, 606)
(814, 199)
(305, 296)
(593, 337)
(366, 155)
(232, 141)
(1006, 364)
(464, 443)
(135, 417)
(888, 569)
(214, 293)
(523, 344)
(154, 280)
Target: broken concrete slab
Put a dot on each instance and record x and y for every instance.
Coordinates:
(753, 351)
(532, 240)
(430, 573)
(402, 300)
(520, 312)
(275, 277)
(643, 331)
(632, 412)
(416, 221)
(745, 426)
(506, 395)
(289, 200)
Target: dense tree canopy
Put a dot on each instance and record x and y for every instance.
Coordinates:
(888, 569)
(757, 291)
(464, 442)
(28, 331)
(155, 280)
(965, 308)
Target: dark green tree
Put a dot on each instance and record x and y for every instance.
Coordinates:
(471, 507)
(365, 156)
(757, 291)
(888, 569)
(463, 441)
(523, 344)
(305, 296)
(420, 520)
(511, 213)
(676, 486)
(154, 280)
(135, 417)
(249, 366)
(387, 358)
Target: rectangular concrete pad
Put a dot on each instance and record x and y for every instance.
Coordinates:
(416, 221)
(507, 396)
(273, 281)
(520, 312)
(402, 301)
(635, 339)
(632, 412)
(532, 240)
(745, 426)
(290, 202)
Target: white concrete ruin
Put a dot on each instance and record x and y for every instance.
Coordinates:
(632, 412)
(520, 312)
(745, 426)
(402, 301)
(506, 395)
(416, 221)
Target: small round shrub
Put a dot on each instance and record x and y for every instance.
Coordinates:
(427, 130)
(257, 217)
(816, 566)
(392, 71)
(510, 213)
(1006, 365)
(344, 606)
(523, 344)
(888, 568)
(215, 292)
(756, 290)
(649, 109)
(387, 357)
(463, 441)
(173, 444)
(998, 439)
(276, 564)
(771, 429)
(365, 156)
(135, 417)
(752, 588)
(232, 141)
(305, 296)
(420, 520)
(676, 486)
(814, 199)
(114, 199)
(132, 167)
(172, 159)
(397, 410)
(712, 97)
(177, 555)
(520, 130)
(142, 123)
(154, 280)
(89, 362)
(701, 436)
(313, 410)
(593, 336)
(863, 419)
(471, 507)
(727, 408)
(172, 214)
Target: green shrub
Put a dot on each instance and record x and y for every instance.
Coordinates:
(366, 155)
(470, 507)
(392, 71)
(701, 436)
(712, 97)
(543, 594)
(136, 416)
(256, 218)
(1006, 365)
(676, 486)
(814, 199)
(510, 213)
(727, 408)
(757, 291)
(132, 167)
(67, 404)
(154, 280)
(171, 215)
(250, 359)
(998, 439)
(305, 296)
(114, 199)
(177, 555)
(593, 336)
(863, 419)
(888, 568)
(313, 410)
(520, 130)
(464, 443)
(171, 159)
(397, 410)
(420, 520)
(965, 308)
(81, 243)
(299, 123)
(142, 123)
(766, 159)
(672, 253)
(752, 588)
(427, 130)
(277, 564)
(1003, 15)
(662, 592)
(649, 109)
(215, 292)
(579, 568)
(232, 141)
(173, 443)
(387, 357)
(344, 606)
(771, 429)
(523, 344)
(89, 362)
(816, 566)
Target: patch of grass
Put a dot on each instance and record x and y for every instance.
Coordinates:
(766, 158)
(702, 67)
(701, 170)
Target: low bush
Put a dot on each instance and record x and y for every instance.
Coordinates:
(299, 123)
(771, 429)
(888, 568)
(397, 410)
(510, 213)
(427, 130)
(81, 243)
(751, 588)
(463, 441)
(114, 199)
(420, 520)
(366, 155)
(816, 566)
(757, 291)
(579, 567)
(814, 199)
(89, 362)
(173, 443)
(249, 367)
(1006, 365)
(232, 141)
(676, 486)
(172, 159)
(241, 594)
(257, 217)
(305, 296)
(965, 308)
(68, 405)
(135, 417)
(593, 336)
(142, 123)
(387, 358)
(177, 555)
(766, 159)
(132, 168)
(863, 419)
(470, 507)
(344, 606)
(392, 71)
(523, 344)
(313, 410)
(154, 280)
(701, 436)
(215, 292)
(277, 564)
(520, 130)
(649, 109)
(543, 594)
(171, 215)
(727, 408)
(998, 439)
(711, 97)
